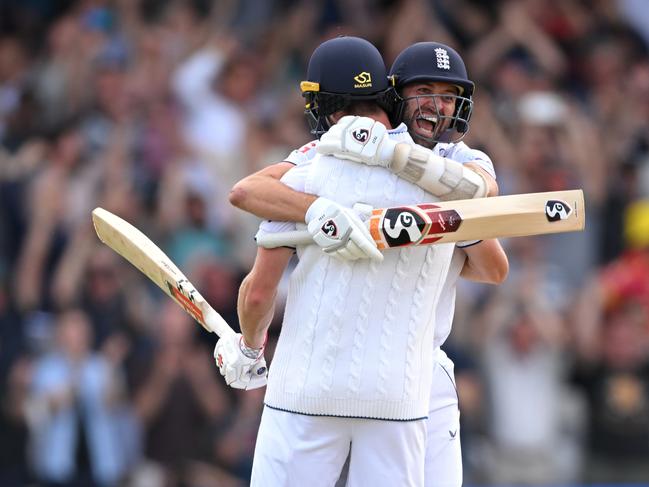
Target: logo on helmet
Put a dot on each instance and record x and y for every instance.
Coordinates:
(557, 210)
(363, 80)
(361, 135)
(443, 60)
(329, 228)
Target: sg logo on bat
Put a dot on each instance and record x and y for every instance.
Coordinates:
(556, 210)
(402, 226)
(412, 225)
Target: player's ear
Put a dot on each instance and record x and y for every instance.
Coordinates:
(336, 116)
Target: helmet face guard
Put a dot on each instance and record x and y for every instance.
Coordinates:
(447, 128)
(341, 71)
(434, 62)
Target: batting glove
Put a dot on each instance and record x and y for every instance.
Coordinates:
(243, 367)
(358, 139)
(340, 232)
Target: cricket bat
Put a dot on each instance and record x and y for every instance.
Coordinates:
(140, 251)
(453, 221)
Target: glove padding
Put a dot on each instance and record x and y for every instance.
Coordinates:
(340, 232)
(239, 370)
(358, 139)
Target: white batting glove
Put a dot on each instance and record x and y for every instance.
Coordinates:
(339, 231)
(358, 139)
(243, 367)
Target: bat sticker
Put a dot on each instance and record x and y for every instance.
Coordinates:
(412, 225)
(403, 226)
(187, 302)
(556, 210)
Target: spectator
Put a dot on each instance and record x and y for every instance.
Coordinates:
(74, 411)
(612, 342)
(177, 397)
(150, 109)
(524, 370)
(14, 469)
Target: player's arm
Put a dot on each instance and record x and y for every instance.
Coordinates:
(366, 141)
(257, 294)
(276, 193)
(240, 356)
(264, 195)
(492, 185)
(486, 262)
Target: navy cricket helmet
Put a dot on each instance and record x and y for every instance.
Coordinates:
(437, 62)
(342, 70)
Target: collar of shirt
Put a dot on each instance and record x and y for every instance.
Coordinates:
(400, 133)
(399, 129)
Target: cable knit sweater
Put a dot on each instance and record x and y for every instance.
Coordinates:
(357, 337)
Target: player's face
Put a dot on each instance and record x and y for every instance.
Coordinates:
(429, 107)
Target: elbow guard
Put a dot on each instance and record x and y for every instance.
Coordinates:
(442, 177)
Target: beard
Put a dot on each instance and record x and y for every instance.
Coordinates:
(425, 127)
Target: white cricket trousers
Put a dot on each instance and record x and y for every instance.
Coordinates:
(443, 452)
(296, 450)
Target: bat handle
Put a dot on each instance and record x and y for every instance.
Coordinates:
(284, 239)
(216, 323)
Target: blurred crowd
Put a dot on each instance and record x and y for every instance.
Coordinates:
(152, 109)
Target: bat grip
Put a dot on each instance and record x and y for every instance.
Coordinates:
(284, 239)
(216, 323)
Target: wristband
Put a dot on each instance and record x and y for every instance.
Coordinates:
(467, 243)
(251, 353)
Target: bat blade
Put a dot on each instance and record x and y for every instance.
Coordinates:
(479, 219)
(453, 221)
(139, 250)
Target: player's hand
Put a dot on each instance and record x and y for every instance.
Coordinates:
(339, 231)
(358, 139)
(241, 368)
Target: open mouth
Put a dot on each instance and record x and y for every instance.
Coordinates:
(426, 125)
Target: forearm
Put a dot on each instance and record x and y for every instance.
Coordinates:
(492, 185)
(256, 302)
(192, 80)
(486, 262)
(255, 310)
(32, 258)
(445, 178)
(69, 273)
(264, 195)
